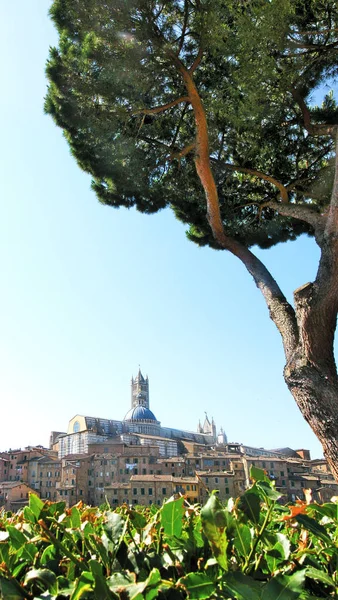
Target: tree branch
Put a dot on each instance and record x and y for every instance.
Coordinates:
(184, 27)
(302, 212)
(186, 150)
(283, 190)
(162, 108)
(197, 59)
(312, 129)
(281, 312)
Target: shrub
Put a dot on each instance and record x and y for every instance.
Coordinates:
(253, 548)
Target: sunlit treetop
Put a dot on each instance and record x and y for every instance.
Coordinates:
(118, 88)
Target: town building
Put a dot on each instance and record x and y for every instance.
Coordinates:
(136, 461)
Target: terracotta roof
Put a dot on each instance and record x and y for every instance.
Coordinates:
(8, 485)
(154, 478)
(215, 473)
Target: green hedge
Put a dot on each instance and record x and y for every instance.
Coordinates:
(253, 548)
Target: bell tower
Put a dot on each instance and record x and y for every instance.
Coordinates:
(140, 390)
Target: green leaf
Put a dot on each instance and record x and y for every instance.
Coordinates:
(35, 505)
(197, 532)
(119, 580)
(84, 584)
(274, 557)
(45, 576)
(258, 474)
(198, 585)
(29, 515)
(318, 575)
(172, 517)
(138, 520)
(17, 538)
(284, 587)
(241, 586)
(114, 526)
(315, 528)
(48, 554)
(28, 552)
(250, 505)
(11, 590)
(101, 589)
(268, 490)
(75, 518)
(213, 519)
(242, 539)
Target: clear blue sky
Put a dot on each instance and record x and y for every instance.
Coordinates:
(88, 293)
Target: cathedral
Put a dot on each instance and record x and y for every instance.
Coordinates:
(139, 427)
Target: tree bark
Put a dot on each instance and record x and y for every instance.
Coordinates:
(317, 399)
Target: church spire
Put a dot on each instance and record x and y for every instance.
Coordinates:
(139, 390)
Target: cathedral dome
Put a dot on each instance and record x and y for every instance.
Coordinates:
(140, 413)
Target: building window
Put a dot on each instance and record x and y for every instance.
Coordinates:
(282, 473)
(164, 491)
(292, 484)
(81, 492)
(135, 491)
(216, 479)
(150, 491)
(144, 471)
(226, 490)
(272, 465)
(264, 464)
(142, 491)
(207, 480)
(283, 481)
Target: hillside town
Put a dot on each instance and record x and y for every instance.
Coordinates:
(138, 462)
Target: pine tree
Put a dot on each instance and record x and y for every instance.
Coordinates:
(204, 106)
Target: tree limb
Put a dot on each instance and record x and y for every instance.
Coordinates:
(184, 27)
(283, 190)
(162, 108)
(312, 129)
(197, 60)
(302, 212)
(281, 312)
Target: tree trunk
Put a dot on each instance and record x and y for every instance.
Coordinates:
(317, 398)
(310, 372)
